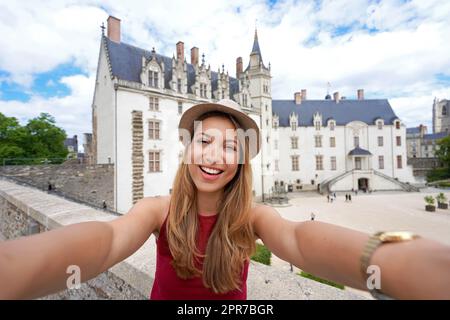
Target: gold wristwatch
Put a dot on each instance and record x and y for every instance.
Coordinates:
(374, 242)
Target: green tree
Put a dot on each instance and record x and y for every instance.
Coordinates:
(443, 152)
(39, 138)
(46, 140)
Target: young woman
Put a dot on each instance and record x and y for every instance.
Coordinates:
(207, 228)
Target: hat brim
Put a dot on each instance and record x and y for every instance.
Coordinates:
(193, 113)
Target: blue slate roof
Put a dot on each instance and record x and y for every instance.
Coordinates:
(415, 130)
(126, 64)
(435, 136)
(359, 152)
(255, 48)
(343, 112)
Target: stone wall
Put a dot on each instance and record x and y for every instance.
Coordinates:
(421, 166)
(86, 183)
(137, 156)
(25, 210)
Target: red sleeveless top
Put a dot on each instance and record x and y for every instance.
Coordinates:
(168, 286)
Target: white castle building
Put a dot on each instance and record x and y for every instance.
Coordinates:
(331, 144)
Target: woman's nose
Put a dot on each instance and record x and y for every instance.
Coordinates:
(212, 154)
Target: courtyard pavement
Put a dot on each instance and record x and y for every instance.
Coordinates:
(370, 213)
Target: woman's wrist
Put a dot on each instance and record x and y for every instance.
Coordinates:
(413, 269)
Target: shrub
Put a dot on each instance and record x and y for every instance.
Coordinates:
(429, 200)
(324, 281)
(262, 254)
(441, 198)
(438, 174)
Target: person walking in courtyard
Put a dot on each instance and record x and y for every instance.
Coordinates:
(207, 229)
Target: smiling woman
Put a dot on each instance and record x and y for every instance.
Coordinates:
(207, 228)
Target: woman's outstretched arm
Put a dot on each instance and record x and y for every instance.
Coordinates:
(37, 265)
(418, 269)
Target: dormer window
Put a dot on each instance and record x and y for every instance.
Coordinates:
(294, 125)
(153, 79)
(203, 90)
(380, 124)
(275, 123)
(332, 124)
(397, 124)
(317, 124)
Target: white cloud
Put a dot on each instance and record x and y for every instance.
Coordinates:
(398, 63)
(72, 113)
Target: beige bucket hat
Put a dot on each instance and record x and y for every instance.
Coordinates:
(226, 106)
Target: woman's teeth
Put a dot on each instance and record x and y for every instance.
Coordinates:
(210, 171)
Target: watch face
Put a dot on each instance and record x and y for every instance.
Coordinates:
(395, 236)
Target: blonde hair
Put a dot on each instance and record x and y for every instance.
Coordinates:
(232, 240)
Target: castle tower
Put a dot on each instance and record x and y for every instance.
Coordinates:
(257, 80)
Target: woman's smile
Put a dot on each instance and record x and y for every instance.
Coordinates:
(209, 173)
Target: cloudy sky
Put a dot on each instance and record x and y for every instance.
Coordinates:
(394, 49)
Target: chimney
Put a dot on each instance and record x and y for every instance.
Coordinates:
(303, 94)
(298, 97)
(336, 96)
(113, 29)
(194, 56)
(360, 94)
(238, 66)
(180, 50)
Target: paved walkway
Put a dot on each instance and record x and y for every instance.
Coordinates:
(370, 213)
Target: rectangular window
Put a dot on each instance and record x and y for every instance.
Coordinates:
(294, 142)
(179, 85)
(276, 166)
(356, 141)
(153, 129)
(380, 125)
(380, 141)
(318, 141)
(180, 107)
(332, 126)
(275, 124)
(332, 142)
(153, 79)
(358, 163)
(295, 163)
(399, 141)
(380, 162)
(154, 104)
(294, 126)
(319, 162)
(203, 90)
(399, 162)
(333, 163)
(317, 125)
(397, 125)
(244, 100)
(154, 161)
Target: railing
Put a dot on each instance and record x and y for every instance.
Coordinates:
(405, 186)
(327, 183)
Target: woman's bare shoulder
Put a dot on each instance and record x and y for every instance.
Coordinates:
(257, 210)
(159, 206)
